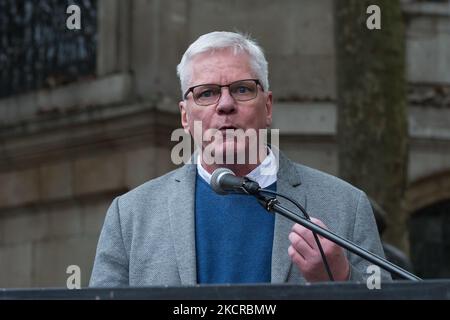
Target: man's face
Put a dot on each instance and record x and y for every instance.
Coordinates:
(223, 67)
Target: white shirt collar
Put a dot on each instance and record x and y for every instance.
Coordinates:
(265, 174)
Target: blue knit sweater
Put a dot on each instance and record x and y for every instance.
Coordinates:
(234, 237)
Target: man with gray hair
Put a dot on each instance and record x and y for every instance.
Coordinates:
(175, 230)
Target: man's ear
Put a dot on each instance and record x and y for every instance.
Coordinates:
(184, 116)
(269, 105)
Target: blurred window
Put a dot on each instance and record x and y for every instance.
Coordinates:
(37, 50)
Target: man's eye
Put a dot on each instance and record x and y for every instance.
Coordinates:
(205, 94)
(242, 89)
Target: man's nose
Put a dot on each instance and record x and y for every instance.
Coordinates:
(226, 103)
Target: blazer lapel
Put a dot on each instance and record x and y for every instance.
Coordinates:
(289, 184)
(182, 222)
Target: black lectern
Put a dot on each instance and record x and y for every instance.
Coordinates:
(397, 290)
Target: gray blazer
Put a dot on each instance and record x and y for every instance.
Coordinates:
(148, 238)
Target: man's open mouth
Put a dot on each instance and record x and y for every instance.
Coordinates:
(224, 128)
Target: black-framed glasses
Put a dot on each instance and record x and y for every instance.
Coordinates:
(241, 90)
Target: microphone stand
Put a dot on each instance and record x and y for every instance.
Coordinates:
(272, 205)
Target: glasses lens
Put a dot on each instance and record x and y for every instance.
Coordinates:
(244, 90)
(205, 95)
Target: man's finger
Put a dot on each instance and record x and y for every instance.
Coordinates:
(320, 224)
(323, 240)
(301, 245)
(306, 234)
(296, 257)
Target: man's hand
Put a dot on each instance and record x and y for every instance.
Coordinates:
(306, 255)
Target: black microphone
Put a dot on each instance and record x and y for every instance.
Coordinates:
(224, 181)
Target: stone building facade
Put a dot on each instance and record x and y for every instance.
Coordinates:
(68, 150)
